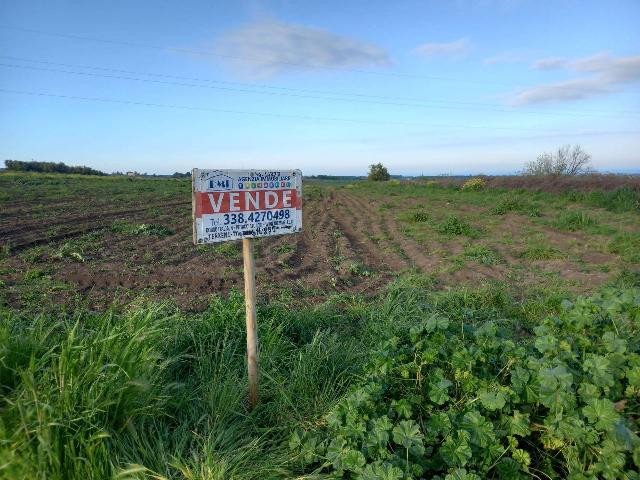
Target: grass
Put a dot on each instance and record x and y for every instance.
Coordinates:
(574, 220)
(627, 246)
(154, 392)
(415, 217)
(284, 248)
(229, 250)
(482, 254)
(537, 251)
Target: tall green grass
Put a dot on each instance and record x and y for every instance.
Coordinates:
(155, 393)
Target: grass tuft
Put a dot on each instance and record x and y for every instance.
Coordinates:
(574, 220)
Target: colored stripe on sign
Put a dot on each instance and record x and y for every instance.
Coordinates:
(208, 203)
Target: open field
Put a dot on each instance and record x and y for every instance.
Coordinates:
(102, 239)
(411, 331)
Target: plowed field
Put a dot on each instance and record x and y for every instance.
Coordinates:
(103, 239)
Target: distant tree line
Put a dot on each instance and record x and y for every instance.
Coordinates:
(49, 167)
(332, 177)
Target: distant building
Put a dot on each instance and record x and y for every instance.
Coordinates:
(131, 174)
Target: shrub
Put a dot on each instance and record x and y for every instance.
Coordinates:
(378, 173)
(474, 184)
(566, 161)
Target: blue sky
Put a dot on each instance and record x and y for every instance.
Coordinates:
(464, 86)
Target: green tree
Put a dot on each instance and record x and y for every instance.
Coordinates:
(378, 173)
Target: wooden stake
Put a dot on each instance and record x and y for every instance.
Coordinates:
(252, 331)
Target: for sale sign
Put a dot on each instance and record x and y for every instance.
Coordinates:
(235, 204)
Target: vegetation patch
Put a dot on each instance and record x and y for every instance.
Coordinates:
(147, 229)
(284, 248)
(359, 270)
(482, 254)
(415, 217)
(465, 400)
(474, 185)
(454, 225)
(540, 252)
(627, 245)
(69, 251)
(574, 220)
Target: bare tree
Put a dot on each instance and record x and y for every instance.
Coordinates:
(566, 161)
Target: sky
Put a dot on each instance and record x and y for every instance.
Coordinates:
(425, 87)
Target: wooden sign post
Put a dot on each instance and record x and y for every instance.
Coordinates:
(252, 327)
(243, 205)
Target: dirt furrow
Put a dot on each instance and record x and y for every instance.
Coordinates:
(383, 248)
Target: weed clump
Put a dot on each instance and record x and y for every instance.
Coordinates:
(453, 225)
(71, 251)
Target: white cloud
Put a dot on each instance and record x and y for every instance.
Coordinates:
(608, 73)
(551, 63)
(454, 49)
(561, 91)
(271, 47)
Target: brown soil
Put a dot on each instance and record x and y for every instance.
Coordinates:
(349, 244)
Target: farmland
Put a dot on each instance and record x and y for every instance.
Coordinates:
(97, 240)
(412, 330)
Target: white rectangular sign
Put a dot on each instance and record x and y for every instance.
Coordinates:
(235, 204)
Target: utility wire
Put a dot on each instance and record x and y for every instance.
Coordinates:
(272, 114)
(484, 107)
(237, 90)
(237, 57)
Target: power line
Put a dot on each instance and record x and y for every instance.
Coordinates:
(271, 114)
(439, 103)
(237, 57)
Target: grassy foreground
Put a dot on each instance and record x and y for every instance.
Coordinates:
(148, 391)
